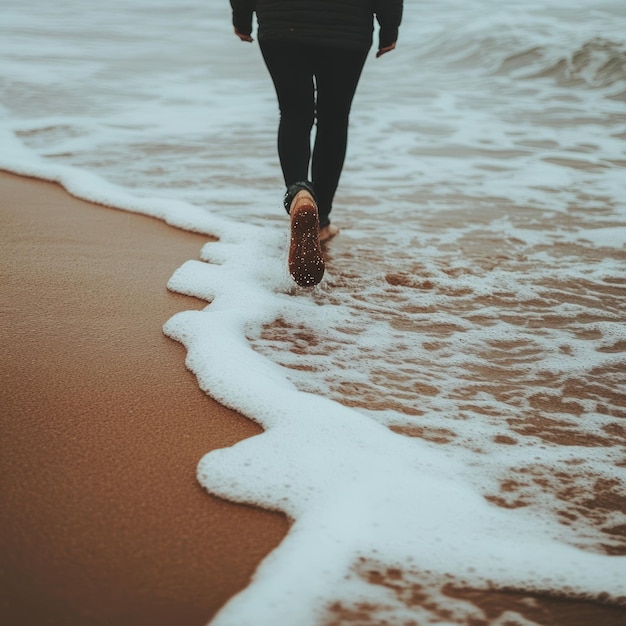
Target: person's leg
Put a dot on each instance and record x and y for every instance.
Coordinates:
(292, 74)
(337, 74)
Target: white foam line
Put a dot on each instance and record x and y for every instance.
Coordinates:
(354, 488)
(16, 158)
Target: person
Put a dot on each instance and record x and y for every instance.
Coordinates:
(314, 51)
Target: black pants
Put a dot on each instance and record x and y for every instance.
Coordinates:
(313, 83)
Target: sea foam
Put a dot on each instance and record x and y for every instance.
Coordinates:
(445, 409)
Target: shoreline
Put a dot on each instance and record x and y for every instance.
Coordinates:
(103, 520)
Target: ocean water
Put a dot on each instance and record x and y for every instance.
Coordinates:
(446, 410)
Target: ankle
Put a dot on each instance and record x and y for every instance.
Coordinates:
(294, 189)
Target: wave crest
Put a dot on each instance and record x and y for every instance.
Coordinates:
(598, 62)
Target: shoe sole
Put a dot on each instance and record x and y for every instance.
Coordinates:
(306, 262)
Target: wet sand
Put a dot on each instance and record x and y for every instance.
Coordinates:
(102, 520)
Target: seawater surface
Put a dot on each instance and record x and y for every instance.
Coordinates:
(447, 409)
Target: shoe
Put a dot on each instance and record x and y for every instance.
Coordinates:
(306, 262)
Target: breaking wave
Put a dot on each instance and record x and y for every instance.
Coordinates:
(596, 63)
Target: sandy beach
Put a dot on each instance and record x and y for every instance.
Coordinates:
(102, 520)
(443, 415)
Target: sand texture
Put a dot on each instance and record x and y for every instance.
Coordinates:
(102, 520)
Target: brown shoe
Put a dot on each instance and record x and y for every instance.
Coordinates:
(306, 262)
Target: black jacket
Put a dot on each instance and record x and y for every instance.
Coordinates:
(332, 23)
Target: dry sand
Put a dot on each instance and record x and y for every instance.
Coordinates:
(102, 520)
